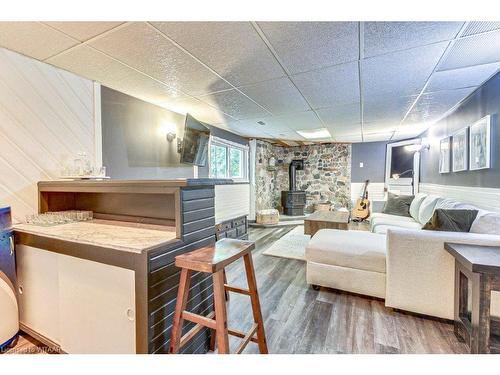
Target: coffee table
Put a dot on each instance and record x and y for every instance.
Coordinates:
(326, 220)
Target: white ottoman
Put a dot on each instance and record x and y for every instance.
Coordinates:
(353, 261)
(270, 216)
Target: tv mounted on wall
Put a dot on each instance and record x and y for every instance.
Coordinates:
(195, 142)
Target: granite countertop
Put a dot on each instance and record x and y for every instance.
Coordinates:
(128, 237)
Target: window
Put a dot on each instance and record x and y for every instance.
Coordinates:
(228, 159)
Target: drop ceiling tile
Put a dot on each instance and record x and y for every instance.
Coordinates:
(331, 86)
(390, 109)
(154, 55)
(33, 39)
(345, 131)
(379, 127)
(299, 121)
(94, 65)
(304, 46)
(410, 131)
(83, 30)
(480, 27)
(349, 138)
(431, 106)
(233, 49)
(248, 131)
(377, 137)
(340, 115)
(460, 78)
(385, 37)
(474, 50)
(198, 109)
(401, 73)
(278, 96)
(234, 104)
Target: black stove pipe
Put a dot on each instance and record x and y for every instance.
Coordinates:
(295, 165)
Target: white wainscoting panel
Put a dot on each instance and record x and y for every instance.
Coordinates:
(375, 190)
(231, 201)
(46, 117)
(485, 198)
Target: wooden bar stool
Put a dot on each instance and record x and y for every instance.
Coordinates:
(213, 260)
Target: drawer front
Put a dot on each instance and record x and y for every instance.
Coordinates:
(222, 227)
(239, 221)
(232, 233)
(241, 230)
(220, 235)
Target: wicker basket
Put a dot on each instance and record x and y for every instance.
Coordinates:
(270, 216)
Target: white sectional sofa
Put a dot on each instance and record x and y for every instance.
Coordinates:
(418, 275)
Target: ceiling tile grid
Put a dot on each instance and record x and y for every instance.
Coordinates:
(278, 96)
(473, 50)
(233, 49)
(386, 37)
(34, 39)
(291, 75)
(401, 73)
(83, 31)
(304, 46)
(478, 27)
(159, 58)
(330, 86)
(235, 104)
(462, 77)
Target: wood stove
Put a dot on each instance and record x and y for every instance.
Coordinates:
(293, 200)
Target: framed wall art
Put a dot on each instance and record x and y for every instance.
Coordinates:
(479, 144)
(444, 155)
(459, 151)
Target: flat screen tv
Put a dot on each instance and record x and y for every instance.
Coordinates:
(195, 142)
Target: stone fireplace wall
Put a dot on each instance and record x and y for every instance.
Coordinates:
(326, 176)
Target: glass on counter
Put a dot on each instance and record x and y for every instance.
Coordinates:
(59, 217)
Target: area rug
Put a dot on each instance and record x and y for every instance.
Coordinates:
(292, 245)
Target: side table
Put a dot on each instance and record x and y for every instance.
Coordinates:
(479, 266)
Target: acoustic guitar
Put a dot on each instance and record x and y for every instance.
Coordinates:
(361, 209)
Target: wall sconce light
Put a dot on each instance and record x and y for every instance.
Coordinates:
(170, 136)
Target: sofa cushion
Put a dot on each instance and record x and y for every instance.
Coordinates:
(486, 223)
(427, 208)
(353, 249)
(415, 204)
(451, 220)
(447, 204)
(382, 228)
(398, 205)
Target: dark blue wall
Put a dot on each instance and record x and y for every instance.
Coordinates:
(484, 101)
(372, 155)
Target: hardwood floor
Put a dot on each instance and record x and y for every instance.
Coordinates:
(299, 319)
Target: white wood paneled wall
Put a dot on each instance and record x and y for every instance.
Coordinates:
(231, 201)
(47, 115)
(485, 198)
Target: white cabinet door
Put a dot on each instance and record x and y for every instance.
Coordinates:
(38, 283)
(97, 307)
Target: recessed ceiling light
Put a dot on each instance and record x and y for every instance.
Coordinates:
(261, 123)
(315, 133)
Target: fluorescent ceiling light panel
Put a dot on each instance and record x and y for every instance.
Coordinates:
(315, 133)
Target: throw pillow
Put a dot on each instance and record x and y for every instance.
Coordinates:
(397, 204)
(450, 220)
(486, 223)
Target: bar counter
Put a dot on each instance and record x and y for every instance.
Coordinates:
(109, 285)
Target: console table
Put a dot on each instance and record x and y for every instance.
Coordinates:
(479, 266)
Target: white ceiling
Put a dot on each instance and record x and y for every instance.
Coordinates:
(363, 81)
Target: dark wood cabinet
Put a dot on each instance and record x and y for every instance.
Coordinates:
(234, 228)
